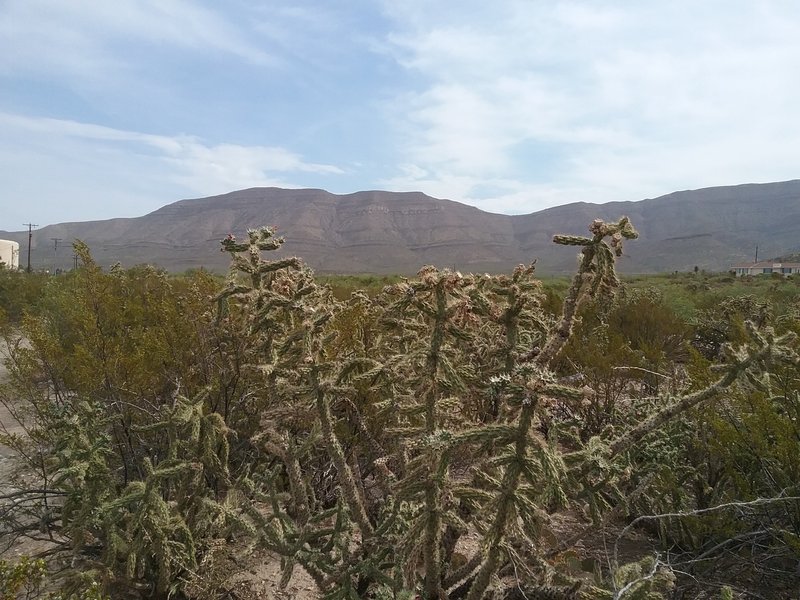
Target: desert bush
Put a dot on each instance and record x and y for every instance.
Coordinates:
(21, 292)
(26, 579)
(363, 439)
(631, 346)
(101, 381)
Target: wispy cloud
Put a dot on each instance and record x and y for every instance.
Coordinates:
(71, 155)
(228, 161)
(88, 40)
(604, 100)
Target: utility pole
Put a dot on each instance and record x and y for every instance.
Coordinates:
(75, 258)
(756, 260)
(56, 268)
(30, 227)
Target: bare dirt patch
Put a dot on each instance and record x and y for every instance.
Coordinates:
(7, 423)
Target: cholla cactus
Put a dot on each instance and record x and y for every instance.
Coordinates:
(596, 274)
(382, 431)
(371, 436)
(435, 336)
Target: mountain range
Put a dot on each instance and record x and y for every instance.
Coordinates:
(399, 232)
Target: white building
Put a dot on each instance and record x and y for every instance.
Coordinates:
(766, 267)
(9, 254)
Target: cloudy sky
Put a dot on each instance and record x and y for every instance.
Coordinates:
(117, 108)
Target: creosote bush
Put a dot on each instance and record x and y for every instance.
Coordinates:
(419, 442)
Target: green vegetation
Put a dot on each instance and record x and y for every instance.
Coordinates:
(20, 291)
(342, 286)
(448, 436)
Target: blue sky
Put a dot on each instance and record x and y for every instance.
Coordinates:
(117, 108)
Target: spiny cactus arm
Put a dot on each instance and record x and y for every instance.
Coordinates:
(462, 574)
(607, 517)
(229, 244)
(408, 549)
(558, 338)
(358, 478)
(305, 549)
(269, 535)
(315, 566)
(741, 363)
(282, 448)
(499, 435)
(519, 465)
(160, 539)
(374, 446)
(505, 504)
(439, 284)
(232, 290)
(350, 489)
(370, 563)
(246, 257)
(518, 296)
(596, 269)
(432, 551)
(262, 238)
(275, 265)
(284, 542)
(432, 358)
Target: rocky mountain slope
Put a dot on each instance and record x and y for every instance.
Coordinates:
(391, 232)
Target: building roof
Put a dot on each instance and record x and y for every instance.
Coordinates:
(767, 264)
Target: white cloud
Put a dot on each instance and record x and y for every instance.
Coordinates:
(617, 100)
(188, 152)
(86, 40)
(510, 105)
(50, 159)
(226, 167)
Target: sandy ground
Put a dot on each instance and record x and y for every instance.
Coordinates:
(9, 465)
(6, 420)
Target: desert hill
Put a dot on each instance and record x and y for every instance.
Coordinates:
(394, 232)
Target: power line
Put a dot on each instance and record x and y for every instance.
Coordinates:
(30, 227)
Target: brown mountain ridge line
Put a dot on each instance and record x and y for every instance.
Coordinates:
(399, 232)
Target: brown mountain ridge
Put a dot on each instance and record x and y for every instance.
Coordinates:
(399, 232)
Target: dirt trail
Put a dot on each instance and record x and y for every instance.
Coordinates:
(9, 424)
(10, 467)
